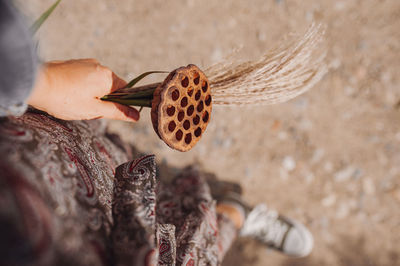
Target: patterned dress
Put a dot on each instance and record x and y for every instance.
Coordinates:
(69, 196)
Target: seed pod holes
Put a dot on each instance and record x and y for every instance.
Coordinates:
(181, 108)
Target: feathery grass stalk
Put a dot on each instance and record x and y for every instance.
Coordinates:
(276, 77)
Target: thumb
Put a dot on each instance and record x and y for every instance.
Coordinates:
(120, 112)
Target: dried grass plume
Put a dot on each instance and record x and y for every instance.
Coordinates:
(277, 77)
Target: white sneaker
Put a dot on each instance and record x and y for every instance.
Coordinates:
(278, 232)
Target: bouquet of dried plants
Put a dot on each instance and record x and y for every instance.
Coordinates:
(181, 105)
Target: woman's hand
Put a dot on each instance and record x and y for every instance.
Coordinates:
(71, 90)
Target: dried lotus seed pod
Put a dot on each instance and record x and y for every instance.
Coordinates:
(181, 107)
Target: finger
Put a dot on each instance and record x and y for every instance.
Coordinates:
(119, 112)
(92, 61)
(117, 83)
(89, 60)
(79, 61)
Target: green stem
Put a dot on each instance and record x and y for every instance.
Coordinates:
(36, 25)
(145, 102)
(149, 88)
(133, 95)
(140, 96)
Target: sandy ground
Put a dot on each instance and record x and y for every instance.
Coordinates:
(329, 158)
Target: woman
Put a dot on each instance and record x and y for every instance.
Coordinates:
(64, 201)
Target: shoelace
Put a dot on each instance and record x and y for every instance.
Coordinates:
(264, 225)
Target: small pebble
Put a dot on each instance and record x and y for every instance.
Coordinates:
(216, 55)
(344, 174)
(289, 163)
(349, 90)
(340, 5)
(284, 135)
(342, 211)
(328, 167)
(261, 36)
(368, 186)
(309, 177)
(335, 63)
(328, 201)
(317, 155)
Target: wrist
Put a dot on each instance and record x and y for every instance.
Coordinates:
(41, 88)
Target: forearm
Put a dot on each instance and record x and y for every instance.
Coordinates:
(41, 89)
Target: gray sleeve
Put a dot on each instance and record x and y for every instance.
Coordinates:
(17, 61)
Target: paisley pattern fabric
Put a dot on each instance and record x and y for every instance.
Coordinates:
(134, 213)
(69, 196)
